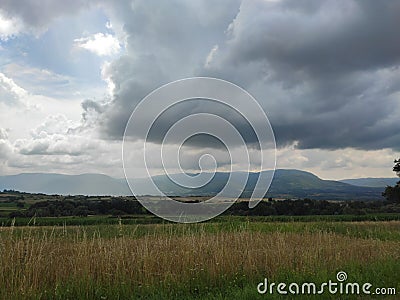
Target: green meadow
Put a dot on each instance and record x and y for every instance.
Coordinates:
(223, 259)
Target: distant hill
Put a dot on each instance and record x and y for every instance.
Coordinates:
(301, 184)
(372, 182)
(286, 184)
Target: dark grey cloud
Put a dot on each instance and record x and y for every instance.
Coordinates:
(197, 106)
(134, 78)
(319, 38)
(166, 40)
(326, 72)
(38, 14)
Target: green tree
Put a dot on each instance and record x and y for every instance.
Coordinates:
(396, 167)
(392, 193)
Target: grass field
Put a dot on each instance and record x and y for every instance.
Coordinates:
(150, 219)
(220, 260)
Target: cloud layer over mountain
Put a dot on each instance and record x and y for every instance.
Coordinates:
(325, 72)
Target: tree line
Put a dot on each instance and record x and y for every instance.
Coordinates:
(81, 207)
(120, 207)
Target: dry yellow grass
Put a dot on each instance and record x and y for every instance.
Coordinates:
(31, 263)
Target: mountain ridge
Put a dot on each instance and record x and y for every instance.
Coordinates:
(372, 181)
(287, 183)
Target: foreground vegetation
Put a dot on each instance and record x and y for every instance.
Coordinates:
(151, 219)
(220, 260)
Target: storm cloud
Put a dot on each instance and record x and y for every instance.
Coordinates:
(325, 72)
(39, 14)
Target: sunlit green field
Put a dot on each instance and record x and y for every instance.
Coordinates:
(216, 260)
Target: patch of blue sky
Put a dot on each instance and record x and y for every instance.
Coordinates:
(53, 50)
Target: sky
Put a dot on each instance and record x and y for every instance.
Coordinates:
(326, 73)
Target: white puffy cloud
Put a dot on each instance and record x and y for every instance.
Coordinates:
(3, 134)
(59, 144)
(6, 149)
(101, 44)
(55, 136)
(10, 92)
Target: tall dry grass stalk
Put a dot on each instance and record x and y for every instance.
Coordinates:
(31, 262)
